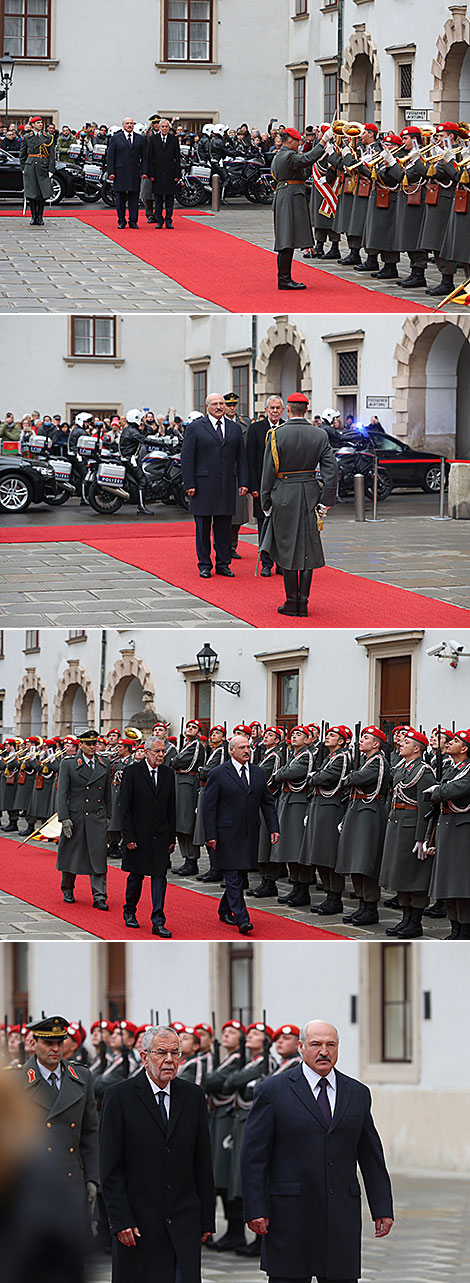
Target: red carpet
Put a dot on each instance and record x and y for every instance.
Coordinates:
(338, 600)
(232, 273)
(30, 873)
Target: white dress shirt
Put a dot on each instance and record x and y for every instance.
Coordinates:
(130, 137)
(156, 1091)
(46, 1073)
(153, 771)
(217, 423)
(89, 761)
(314, 1080)
(239, 766)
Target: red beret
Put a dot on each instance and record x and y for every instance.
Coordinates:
(344, 731)
(374, 730)
(448, 735)
(419, 736)
(373, 129)
(391, 139)
(410, 131)
(202, 1024)
(77, 1032)
(125, 1025)
(297, 398)
(178, 1026)
(103, 1024)
(448, 127)
(142, 1029)
(114, 731)
(313, 726)
(217, 728)
(305, 729)
(287, 1029)
(241, 729)
(34, 120)
(274, 731)
(191, 1029)
(292, 133)
(252, 724)
(463, 735)
(193, 722)
(234, 1024)
(258, 1024)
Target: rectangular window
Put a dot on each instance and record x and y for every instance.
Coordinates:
(241, 982)
(202, 705)
(301, 8)
(31, 641)
(396, 1003)
(25, 28)
(406, 69)
(93, 336)
(330, 4)
(241, 385)
(200, 390)
(395, 691)
(287, 701)
(188, 30)
(76, 635)
(299, 103)
(347, 369)
(330, 95)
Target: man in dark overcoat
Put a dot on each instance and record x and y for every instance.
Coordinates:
(214, 462)
(148, 826)
(308, 1130)
(83, 809)
(233, 797)
(156, 1169)
(405, 867)
(37, 164)
(292, 226)
(255, 445)
(64, 1094)
(164, 169)
(126, 165)
(291, 496)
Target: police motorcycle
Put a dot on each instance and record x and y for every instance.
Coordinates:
(241, 175)
(152, 474)
(58, 484)
(350, 461)
(195, 185)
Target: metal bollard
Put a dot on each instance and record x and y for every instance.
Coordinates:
(359, 497)
(442, 488)
(374, 516)
(215, 193)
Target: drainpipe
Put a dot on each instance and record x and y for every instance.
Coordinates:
(104, 643)
(254, 354)
(340, 53)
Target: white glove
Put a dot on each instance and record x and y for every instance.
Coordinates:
(329, 149)
(267, 512)
(322, 509)
(433, 791)
(420, 851)
(67, 828)
(328, 135)
(447, 154)
(387, 157)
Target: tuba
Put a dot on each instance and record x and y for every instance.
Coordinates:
(132, 733)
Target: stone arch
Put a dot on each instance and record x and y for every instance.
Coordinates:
(360, 51)
(30, 685)
(453, 46)
(281, 338)
(412, 355)
(73, 678)
(125, 670)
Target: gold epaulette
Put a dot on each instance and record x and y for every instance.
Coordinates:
(274, 450)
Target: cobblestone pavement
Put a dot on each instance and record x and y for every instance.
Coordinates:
(429, 1243)
(19, 920)
(70, 267)
(59, 584)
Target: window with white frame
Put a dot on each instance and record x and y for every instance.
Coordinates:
(188, 30)
(25, 28)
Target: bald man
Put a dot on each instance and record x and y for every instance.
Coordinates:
(308, 1131)
(212, 458)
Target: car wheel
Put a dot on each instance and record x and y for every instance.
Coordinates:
(432, 479)
(16, 493)
(58, 190)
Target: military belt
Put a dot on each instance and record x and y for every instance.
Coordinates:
(305, 476)
(291, 182)
(405, 806)
(446, 810)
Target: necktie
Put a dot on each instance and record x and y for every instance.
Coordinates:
(322, 1100)
(161, 1106)
(53, 1081)
(154, 777)
(244, 777)
(219, 432)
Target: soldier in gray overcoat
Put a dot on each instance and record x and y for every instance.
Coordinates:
(322, 214)
(405, 868)
(118, 765)
(186, 765)
(363, 827)
(270, 760)
(379, 227)
(37, 163)
(441, 180)
(291, 495)
(455, 248)
(292, 226)
(293, 779)
(244, 1081)
(362, 190)
(409, 210)
(68, 1109)
(325, 812)
(84, 807)
(450, 877)
(220, 1101)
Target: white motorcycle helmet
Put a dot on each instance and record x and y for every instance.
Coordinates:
(83, 418)
(193, 414)
(135, 417)
(208, 129)
(328, 415)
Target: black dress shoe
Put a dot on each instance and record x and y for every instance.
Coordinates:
(134, 226)
(131, 920)
(245, 928)
(162, 932)
(69, 897)
(121, 226)
(228, 918)
(205, 574)
(266, 572)
(188, 869)
(292, 285)
(101, 904)
(235, 555)
(169, 227)
(212, 875)
(225, 571)
(158, 226)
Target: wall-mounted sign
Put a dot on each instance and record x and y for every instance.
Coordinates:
(417, 113)
(378, 402)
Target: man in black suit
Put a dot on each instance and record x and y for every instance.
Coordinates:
(307, 1131)
(126, 163)
(148, 826)
(233, 796)
(164, 166)
(212, 457)
(156, 1168)
(257, 433)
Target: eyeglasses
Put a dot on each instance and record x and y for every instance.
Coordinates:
(161, 1055)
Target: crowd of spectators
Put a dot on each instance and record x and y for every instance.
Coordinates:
(210, 143)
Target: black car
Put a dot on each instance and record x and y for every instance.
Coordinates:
(405, 466)
(11, 179)
(23, 483)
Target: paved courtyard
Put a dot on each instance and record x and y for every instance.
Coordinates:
(60, 584)
(429, 1243)
(68, 266)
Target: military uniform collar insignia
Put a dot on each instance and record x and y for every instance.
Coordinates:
(73, 1073)
(32, 1076)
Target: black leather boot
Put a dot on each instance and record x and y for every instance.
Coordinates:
(436, 910)
(395, 931)
(356, 914)
(445, 286)
(416, 280)
(412, 929)
(287, 899)
(353, 259)
(291, 585)
(371, 264)
(331, 906)
(387, 273)
(40, 212)
(301, 899)
(369, 914)
(455, 930)
(305, 580)
(333, 252)
(284, 271)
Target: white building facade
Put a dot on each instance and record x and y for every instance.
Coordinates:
(53, 682)
(219, 60)
(413, 372)
(398, 1009)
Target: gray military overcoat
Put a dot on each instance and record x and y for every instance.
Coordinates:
(37, 162)
(292, 226)
(84, 797)
(291, 536)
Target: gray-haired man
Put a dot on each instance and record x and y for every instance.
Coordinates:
(148, 826)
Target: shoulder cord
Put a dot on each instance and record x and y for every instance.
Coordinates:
(371, 797)
(459, 810)
(185, 770)
(331, 792)
(400, 789)
(299, 788)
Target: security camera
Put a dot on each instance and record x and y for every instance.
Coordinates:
(454, 646)
(436, 650)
